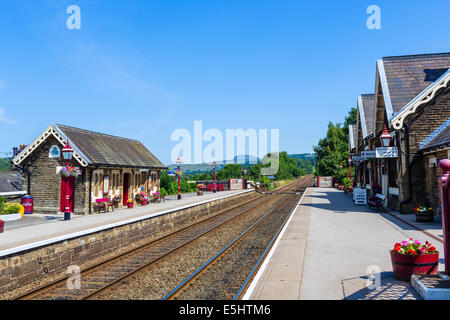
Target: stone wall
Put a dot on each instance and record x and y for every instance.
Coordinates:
(422, 124)
(45, 183)
(39, 264)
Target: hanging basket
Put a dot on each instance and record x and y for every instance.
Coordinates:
(70, 172)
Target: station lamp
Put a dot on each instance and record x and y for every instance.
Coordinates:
(385, 138)
(67, 152)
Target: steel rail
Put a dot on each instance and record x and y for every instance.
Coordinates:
(53, 285)
(195, 274)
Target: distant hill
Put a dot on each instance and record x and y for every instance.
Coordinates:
(4, 164)
(303, 156)
(205, 167)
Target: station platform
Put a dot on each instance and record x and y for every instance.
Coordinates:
(37, 230)
(330, 247)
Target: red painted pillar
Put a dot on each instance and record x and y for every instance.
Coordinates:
(179, 182)
(444, 186)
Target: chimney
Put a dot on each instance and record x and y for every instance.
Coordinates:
(15, 151)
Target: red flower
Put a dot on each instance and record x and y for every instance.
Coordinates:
(397, 248)
(432, 249)
(412, 252)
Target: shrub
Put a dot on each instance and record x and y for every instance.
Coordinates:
(163, 192)
(11, 208)
(2, 203)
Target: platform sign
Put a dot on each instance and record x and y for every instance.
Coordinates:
(372, 154)
(171, 173)
(271, 178)
(389, 152)
(236, 184)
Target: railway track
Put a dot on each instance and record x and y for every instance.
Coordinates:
(107, 275)
(226, 275)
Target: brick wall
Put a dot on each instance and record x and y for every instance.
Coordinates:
(37, 264)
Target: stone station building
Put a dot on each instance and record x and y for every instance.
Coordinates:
(412, 99)
(109, 166)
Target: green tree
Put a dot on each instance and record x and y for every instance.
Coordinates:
(332, 151)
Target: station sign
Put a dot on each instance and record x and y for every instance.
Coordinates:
(387, 152)
(357, 158)
(171, 173)
(372, 154)
(271, 178)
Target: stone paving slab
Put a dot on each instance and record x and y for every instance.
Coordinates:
(334, 244)
(41, 228)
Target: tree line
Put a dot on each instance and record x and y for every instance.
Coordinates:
(333, 151)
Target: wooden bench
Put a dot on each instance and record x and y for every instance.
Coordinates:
(104, 204)
(377, 202)
(157, 197)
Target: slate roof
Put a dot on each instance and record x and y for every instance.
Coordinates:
(368, 106)
(10, 182)
(438, 139)
(107, 150)
(407, 76)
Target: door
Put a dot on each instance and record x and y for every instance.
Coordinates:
(126, 186)
(67, 189)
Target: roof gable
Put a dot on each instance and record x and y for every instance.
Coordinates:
(366, 105)
(404, 77)
(54, 131)
(421, 99)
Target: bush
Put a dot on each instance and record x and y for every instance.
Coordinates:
(347, 183)
(163, 192)
(11, 208)
(2, 204)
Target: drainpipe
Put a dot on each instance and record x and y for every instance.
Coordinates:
(408, 169)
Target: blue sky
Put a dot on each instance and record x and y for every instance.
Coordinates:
(142, 69)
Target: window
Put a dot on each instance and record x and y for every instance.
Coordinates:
(54, 152)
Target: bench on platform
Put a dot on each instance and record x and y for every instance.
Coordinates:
(103, 204)
(156, 197)
(377, 202)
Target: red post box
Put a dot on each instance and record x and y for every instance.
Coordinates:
(27, 202)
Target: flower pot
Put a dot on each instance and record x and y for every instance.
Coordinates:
(116, 205)
(143, 202)
(405, 265)
(130, 205)
(199, 192)
(424, 217)
(2, 228)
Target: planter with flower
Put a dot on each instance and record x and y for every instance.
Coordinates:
(200, 189)
(412, 257)
(11, 211)
(2, 226)
(424, 214)
(116, 200)
(130, 203)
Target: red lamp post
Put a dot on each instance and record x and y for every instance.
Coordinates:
(245, 179)
(67, 153)
(214, 172)
(385, 138)
(349, 170)
(444, 186)
(179, 177)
